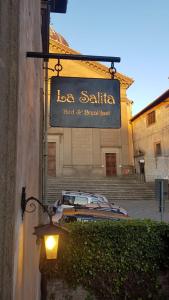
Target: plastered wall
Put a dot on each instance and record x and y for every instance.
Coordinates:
(145, 137)
(20, 106)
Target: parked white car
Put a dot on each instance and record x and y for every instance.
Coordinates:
(81, 198)
(90, 201)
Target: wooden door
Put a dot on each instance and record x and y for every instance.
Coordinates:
(52, 159)
(111, 164)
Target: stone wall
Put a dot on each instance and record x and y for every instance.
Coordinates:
(59, 290)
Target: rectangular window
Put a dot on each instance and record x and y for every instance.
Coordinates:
(81, 200)
(52, 159)
(158, 151)
(151, 118)
(68, 200)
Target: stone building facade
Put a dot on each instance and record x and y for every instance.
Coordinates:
(89, 151)
(151, 139)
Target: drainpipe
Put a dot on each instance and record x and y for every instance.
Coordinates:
(45, 141)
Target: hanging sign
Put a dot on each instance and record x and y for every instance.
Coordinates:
(85, 103)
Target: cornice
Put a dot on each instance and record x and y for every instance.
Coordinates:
(56, 47)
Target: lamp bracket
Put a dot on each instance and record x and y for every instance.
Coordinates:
(25, 201)
(73, 57)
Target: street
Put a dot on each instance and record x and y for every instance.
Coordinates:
(144, 209)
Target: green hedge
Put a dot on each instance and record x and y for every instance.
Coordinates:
(113, 260)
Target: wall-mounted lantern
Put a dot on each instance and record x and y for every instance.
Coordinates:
(49, 233)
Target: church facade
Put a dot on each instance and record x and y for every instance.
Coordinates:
(89, 151)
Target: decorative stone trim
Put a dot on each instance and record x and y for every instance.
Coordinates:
(125, 81)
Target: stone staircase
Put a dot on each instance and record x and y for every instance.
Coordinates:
(114, 188)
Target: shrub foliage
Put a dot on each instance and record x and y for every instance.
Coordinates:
(113, 260)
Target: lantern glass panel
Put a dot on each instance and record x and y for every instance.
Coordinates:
(51, 246)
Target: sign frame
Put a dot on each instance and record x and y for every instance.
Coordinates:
(80, 102)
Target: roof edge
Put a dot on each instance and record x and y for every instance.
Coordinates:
(157, 101)
(67, 50)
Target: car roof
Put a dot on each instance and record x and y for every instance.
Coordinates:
(74, 193)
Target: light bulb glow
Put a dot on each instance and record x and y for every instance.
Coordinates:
(51, 245)
(50, 242)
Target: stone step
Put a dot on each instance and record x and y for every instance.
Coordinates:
(94, 189)
(104, 179)
(98, 183)
(114, 188)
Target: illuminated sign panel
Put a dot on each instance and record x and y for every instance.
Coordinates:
(85, 103)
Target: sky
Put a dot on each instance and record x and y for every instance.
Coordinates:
(136, 31)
